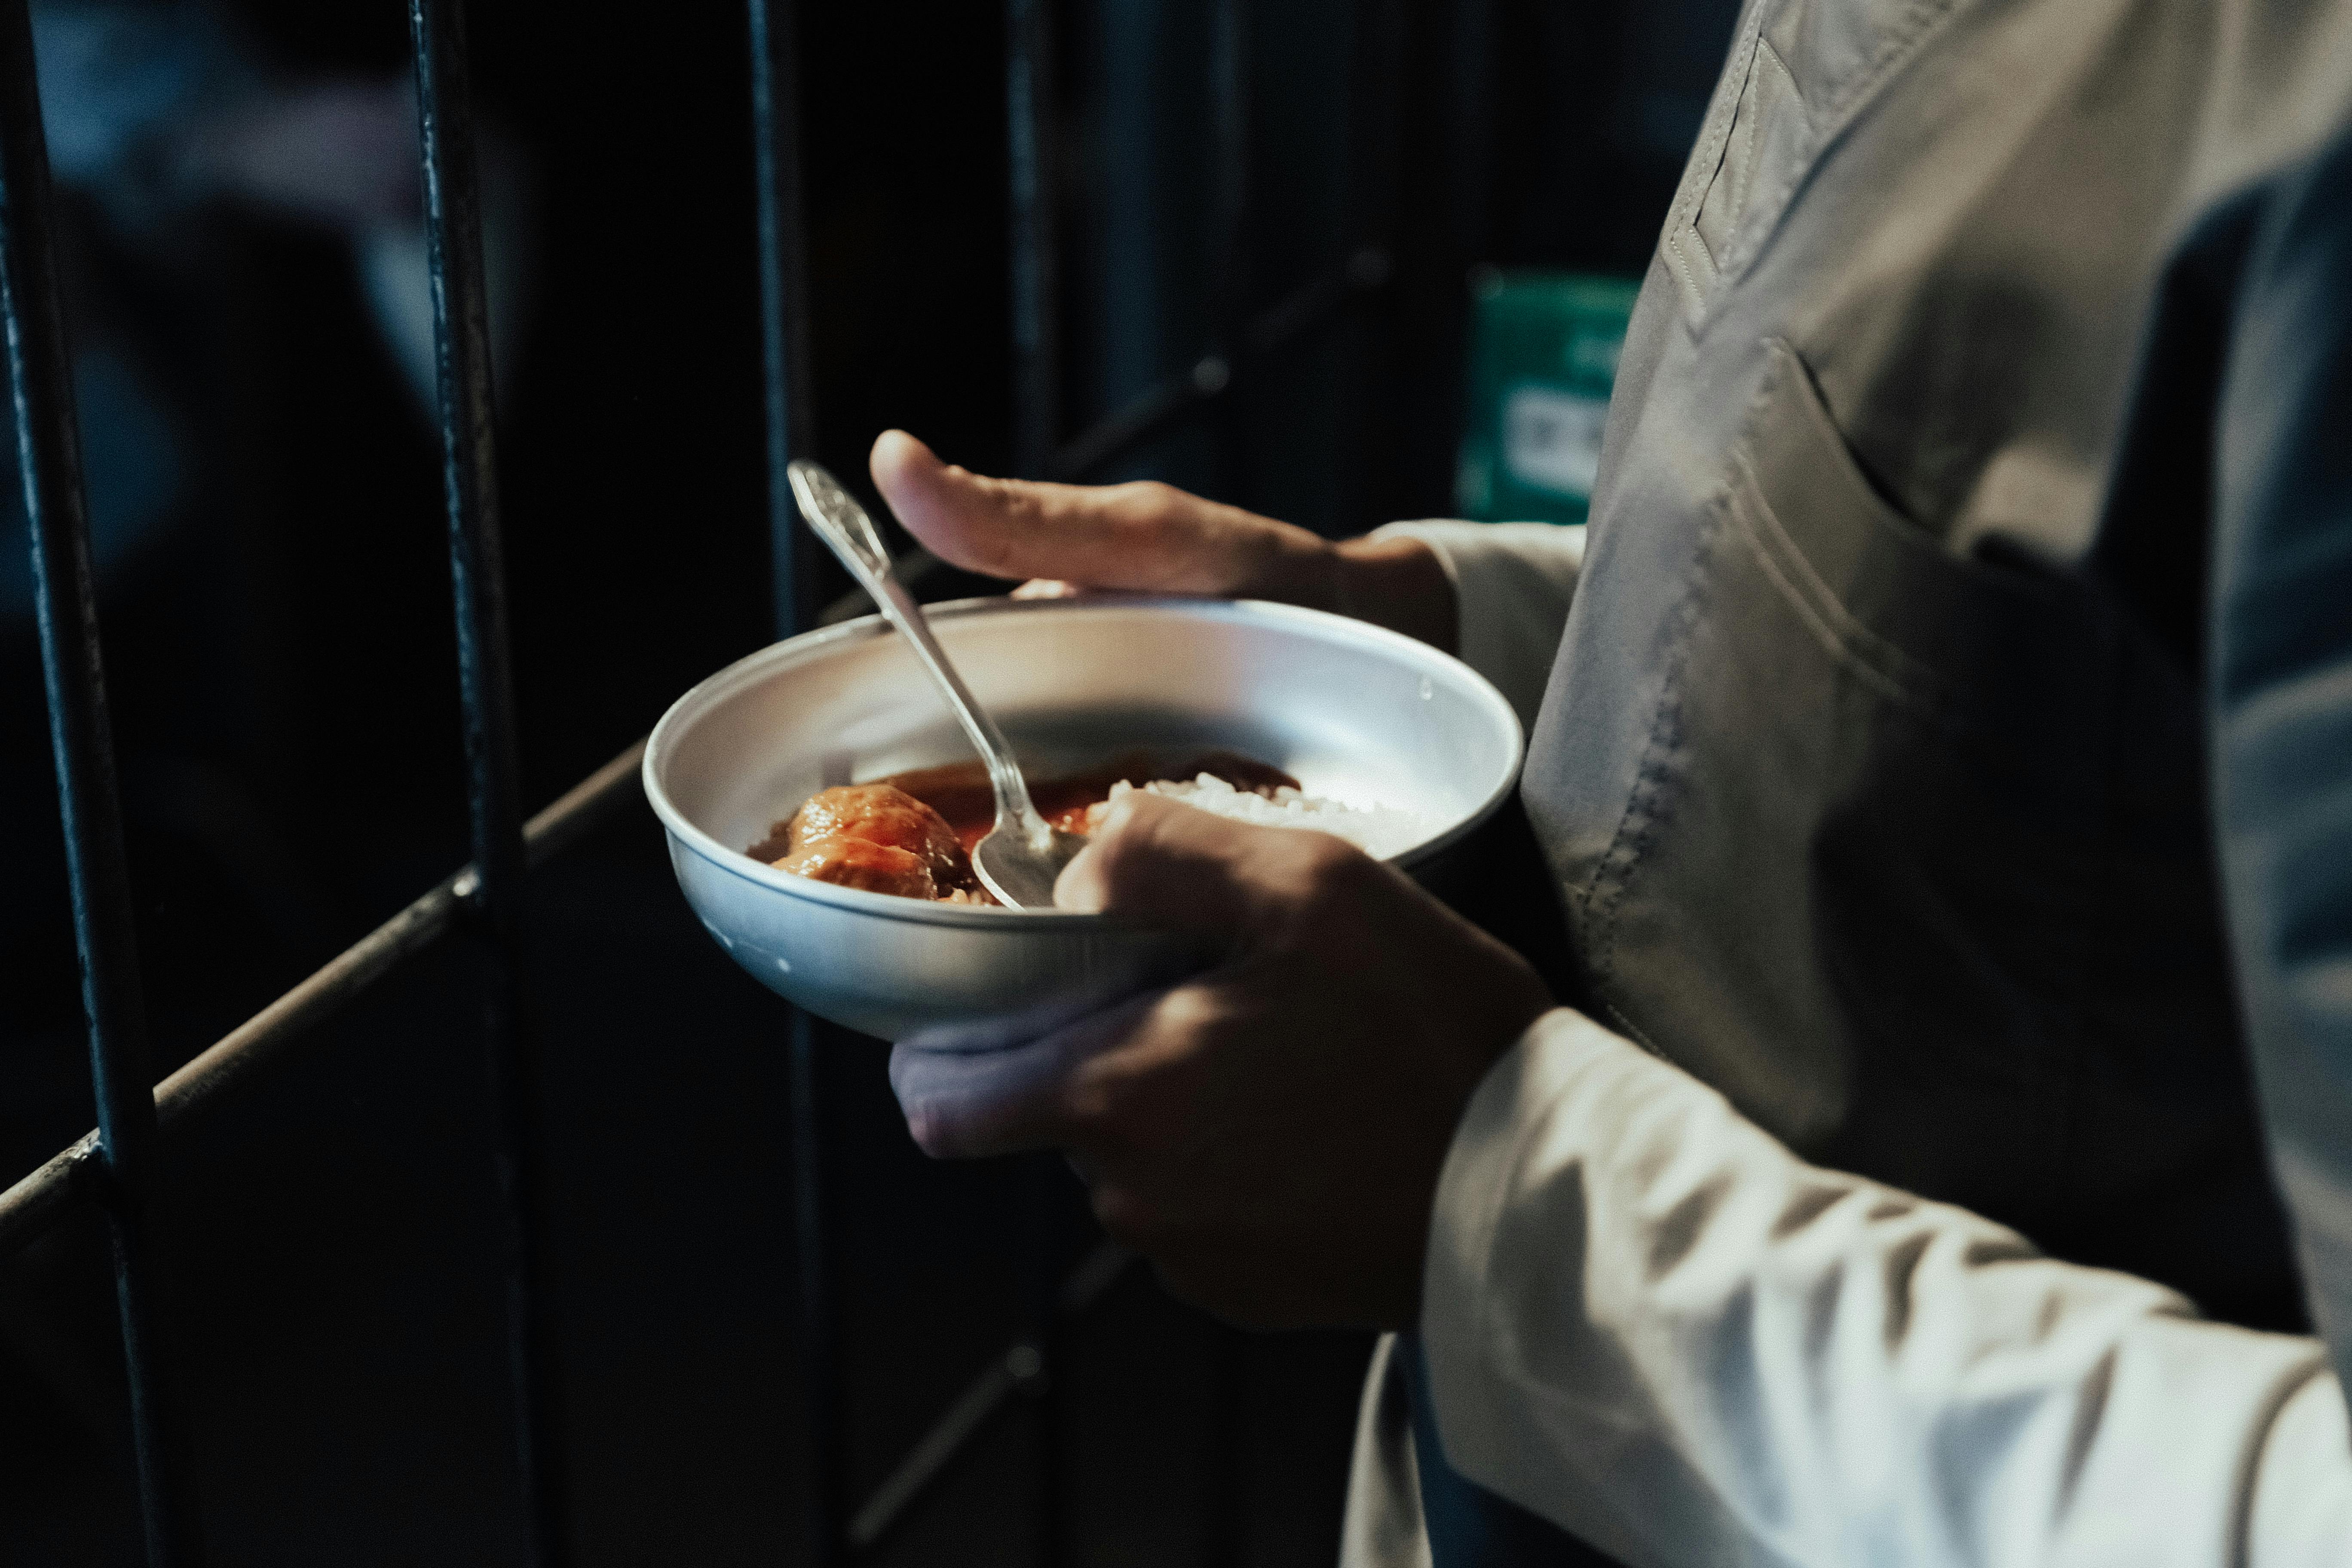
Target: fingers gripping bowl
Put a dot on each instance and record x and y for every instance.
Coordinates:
(1355, 712)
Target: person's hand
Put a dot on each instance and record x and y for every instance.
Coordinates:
(1154, 538)
(1270, 1132)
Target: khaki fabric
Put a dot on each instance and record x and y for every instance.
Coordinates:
(1870, 806)
(1872, 765)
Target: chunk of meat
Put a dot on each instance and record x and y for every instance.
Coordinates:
(870, 836)
(862, 863)
(879, 814)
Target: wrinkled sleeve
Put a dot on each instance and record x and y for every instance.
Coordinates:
(1512, 585)
(1648, 1322)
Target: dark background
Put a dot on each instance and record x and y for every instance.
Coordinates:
(284, 683)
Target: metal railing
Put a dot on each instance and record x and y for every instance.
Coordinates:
(115, 1166)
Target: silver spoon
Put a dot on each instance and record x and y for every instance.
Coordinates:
(1021, 853)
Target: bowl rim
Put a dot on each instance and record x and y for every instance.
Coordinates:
(765, 662)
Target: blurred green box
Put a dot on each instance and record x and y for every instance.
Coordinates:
(1543, 356)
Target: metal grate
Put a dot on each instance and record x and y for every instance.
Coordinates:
(115, 1166)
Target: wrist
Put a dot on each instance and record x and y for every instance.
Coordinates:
(1396, 583)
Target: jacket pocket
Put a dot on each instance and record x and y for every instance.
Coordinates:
(1852, 886)
(2001, 657)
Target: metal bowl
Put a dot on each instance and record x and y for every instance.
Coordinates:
(1353, 711)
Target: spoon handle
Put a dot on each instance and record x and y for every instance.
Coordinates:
(838, 519)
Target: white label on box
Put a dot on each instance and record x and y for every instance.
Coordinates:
(1551, 439)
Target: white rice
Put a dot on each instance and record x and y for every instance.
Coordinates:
(1379, 831)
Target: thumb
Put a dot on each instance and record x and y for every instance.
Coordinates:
(1147, 536)
(1162, 863)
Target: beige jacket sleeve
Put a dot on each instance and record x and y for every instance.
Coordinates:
(1512, 585)
(1648, 1322)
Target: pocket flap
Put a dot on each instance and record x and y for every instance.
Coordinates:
(1955, 633)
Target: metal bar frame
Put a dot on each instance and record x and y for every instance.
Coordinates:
(453, 227)
(48, 453)
(112, 1165)
(790, 428)
(1034, 232)
(56, 1189)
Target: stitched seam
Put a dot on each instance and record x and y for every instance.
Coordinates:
(1736, 166)
(1698, 241)
(1648, 802)
(1632, 1030)
(1837, 627)
(1894, 51)
(1824, 634)
(1684, 214)
(1762, 213)
(1711, 156)
(1764, 50)
(1696, 298)
(1605, 890)
(1766, 55)
(1765, 208)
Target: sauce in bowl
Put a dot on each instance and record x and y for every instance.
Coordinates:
(912, 834)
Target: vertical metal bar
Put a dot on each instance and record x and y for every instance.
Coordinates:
(1474, 120)
(1032, 218)
(477, 579)
(790, 430)
(827, 1493)
(1229, 178)
(48, 455)
(1036, 1363)
(784, 297)
(1377, 105)
(1036, 337)
(1230, 182)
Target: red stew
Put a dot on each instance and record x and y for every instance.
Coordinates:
(912, 834)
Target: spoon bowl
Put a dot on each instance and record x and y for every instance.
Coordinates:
(1022, 874)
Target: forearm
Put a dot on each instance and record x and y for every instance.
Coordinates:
(1650, 1322)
